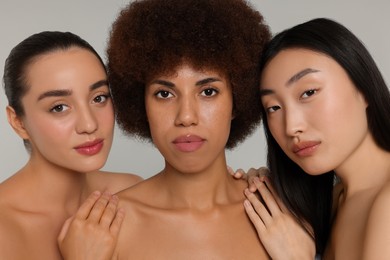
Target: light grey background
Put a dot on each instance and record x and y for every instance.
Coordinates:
(91, 19)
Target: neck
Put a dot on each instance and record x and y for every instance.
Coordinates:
(203, 190)
(368, 167)
(53, 187)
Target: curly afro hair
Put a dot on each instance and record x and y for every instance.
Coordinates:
(154, 37)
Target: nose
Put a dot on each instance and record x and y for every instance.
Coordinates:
(86, 121)
(294, 122)
(187, 112)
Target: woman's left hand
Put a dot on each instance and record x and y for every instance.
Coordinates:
(281, 234)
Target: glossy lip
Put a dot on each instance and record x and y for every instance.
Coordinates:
(305, 148)
(188, 143)
(90, 148)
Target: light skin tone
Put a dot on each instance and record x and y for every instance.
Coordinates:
(318, 117)
(69, 123)
(192, 208)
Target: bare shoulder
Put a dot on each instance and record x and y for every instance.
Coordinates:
(378, 226)
(381, 203)
(112, 181)
(9, 228)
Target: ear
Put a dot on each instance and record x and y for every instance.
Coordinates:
(17, 124)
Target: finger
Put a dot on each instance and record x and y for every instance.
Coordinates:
(240, 174)
(256, 220)
(117, 222)
(258, 207)
(278, 200)
(236, 174)
(267, 197)
(253, 173)
(85, 208)
(99, 207)
(64, 230)
(109, 212)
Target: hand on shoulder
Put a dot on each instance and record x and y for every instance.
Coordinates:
(93, 231)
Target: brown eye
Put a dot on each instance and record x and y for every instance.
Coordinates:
(272, 109)
(59, 108)
(309, 93)
(100, 99)
(163, 94)
(209, 92)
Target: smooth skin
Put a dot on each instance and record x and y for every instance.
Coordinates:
(193, 208)
(317, 116)
(67, 105)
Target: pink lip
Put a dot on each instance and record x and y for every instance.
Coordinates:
(90, 148)
(305, 149)
(188, 143)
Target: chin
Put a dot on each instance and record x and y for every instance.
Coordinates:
(315, 170)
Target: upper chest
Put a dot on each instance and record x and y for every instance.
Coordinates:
(225, 233)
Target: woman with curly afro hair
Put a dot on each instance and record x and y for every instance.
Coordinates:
(185, 76)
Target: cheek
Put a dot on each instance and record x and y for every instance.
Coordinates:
(158, 120)
(106, 119)
(218, 123)
(276, 127)
(49, 132)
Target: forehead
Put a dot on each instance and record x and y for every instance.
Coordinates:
(288, 62)
(64, 67)
(188, 69)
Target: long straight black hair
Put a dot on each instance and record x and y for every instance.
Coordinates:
(310, 197)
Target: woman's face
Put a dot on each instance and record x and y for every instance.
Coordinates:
(69, 116)
(314, 111)
(189, 115)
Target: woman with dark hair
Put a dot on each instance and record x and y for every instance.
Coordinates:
(185, 75)
(60, 105)
(326, 114)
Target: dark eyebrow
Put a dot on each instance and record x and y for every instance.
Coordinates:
(300, 75)
(206, 81)
(171, 85)
(67, 92)
(100, 83)
(162, 82)
(264, 92)
(55, 93)
(293, 79)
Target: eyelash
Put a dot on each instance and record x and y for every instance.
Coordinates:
(268, 109)
(214, 90)
(311, 91)
(164, 94)
(58, 108)
(105, 96)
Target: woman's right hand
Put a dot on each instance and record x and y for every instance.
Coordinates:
(280, 233)
(91, 234)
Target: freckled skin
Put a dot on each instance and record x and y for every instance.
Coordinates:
(192, 208)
